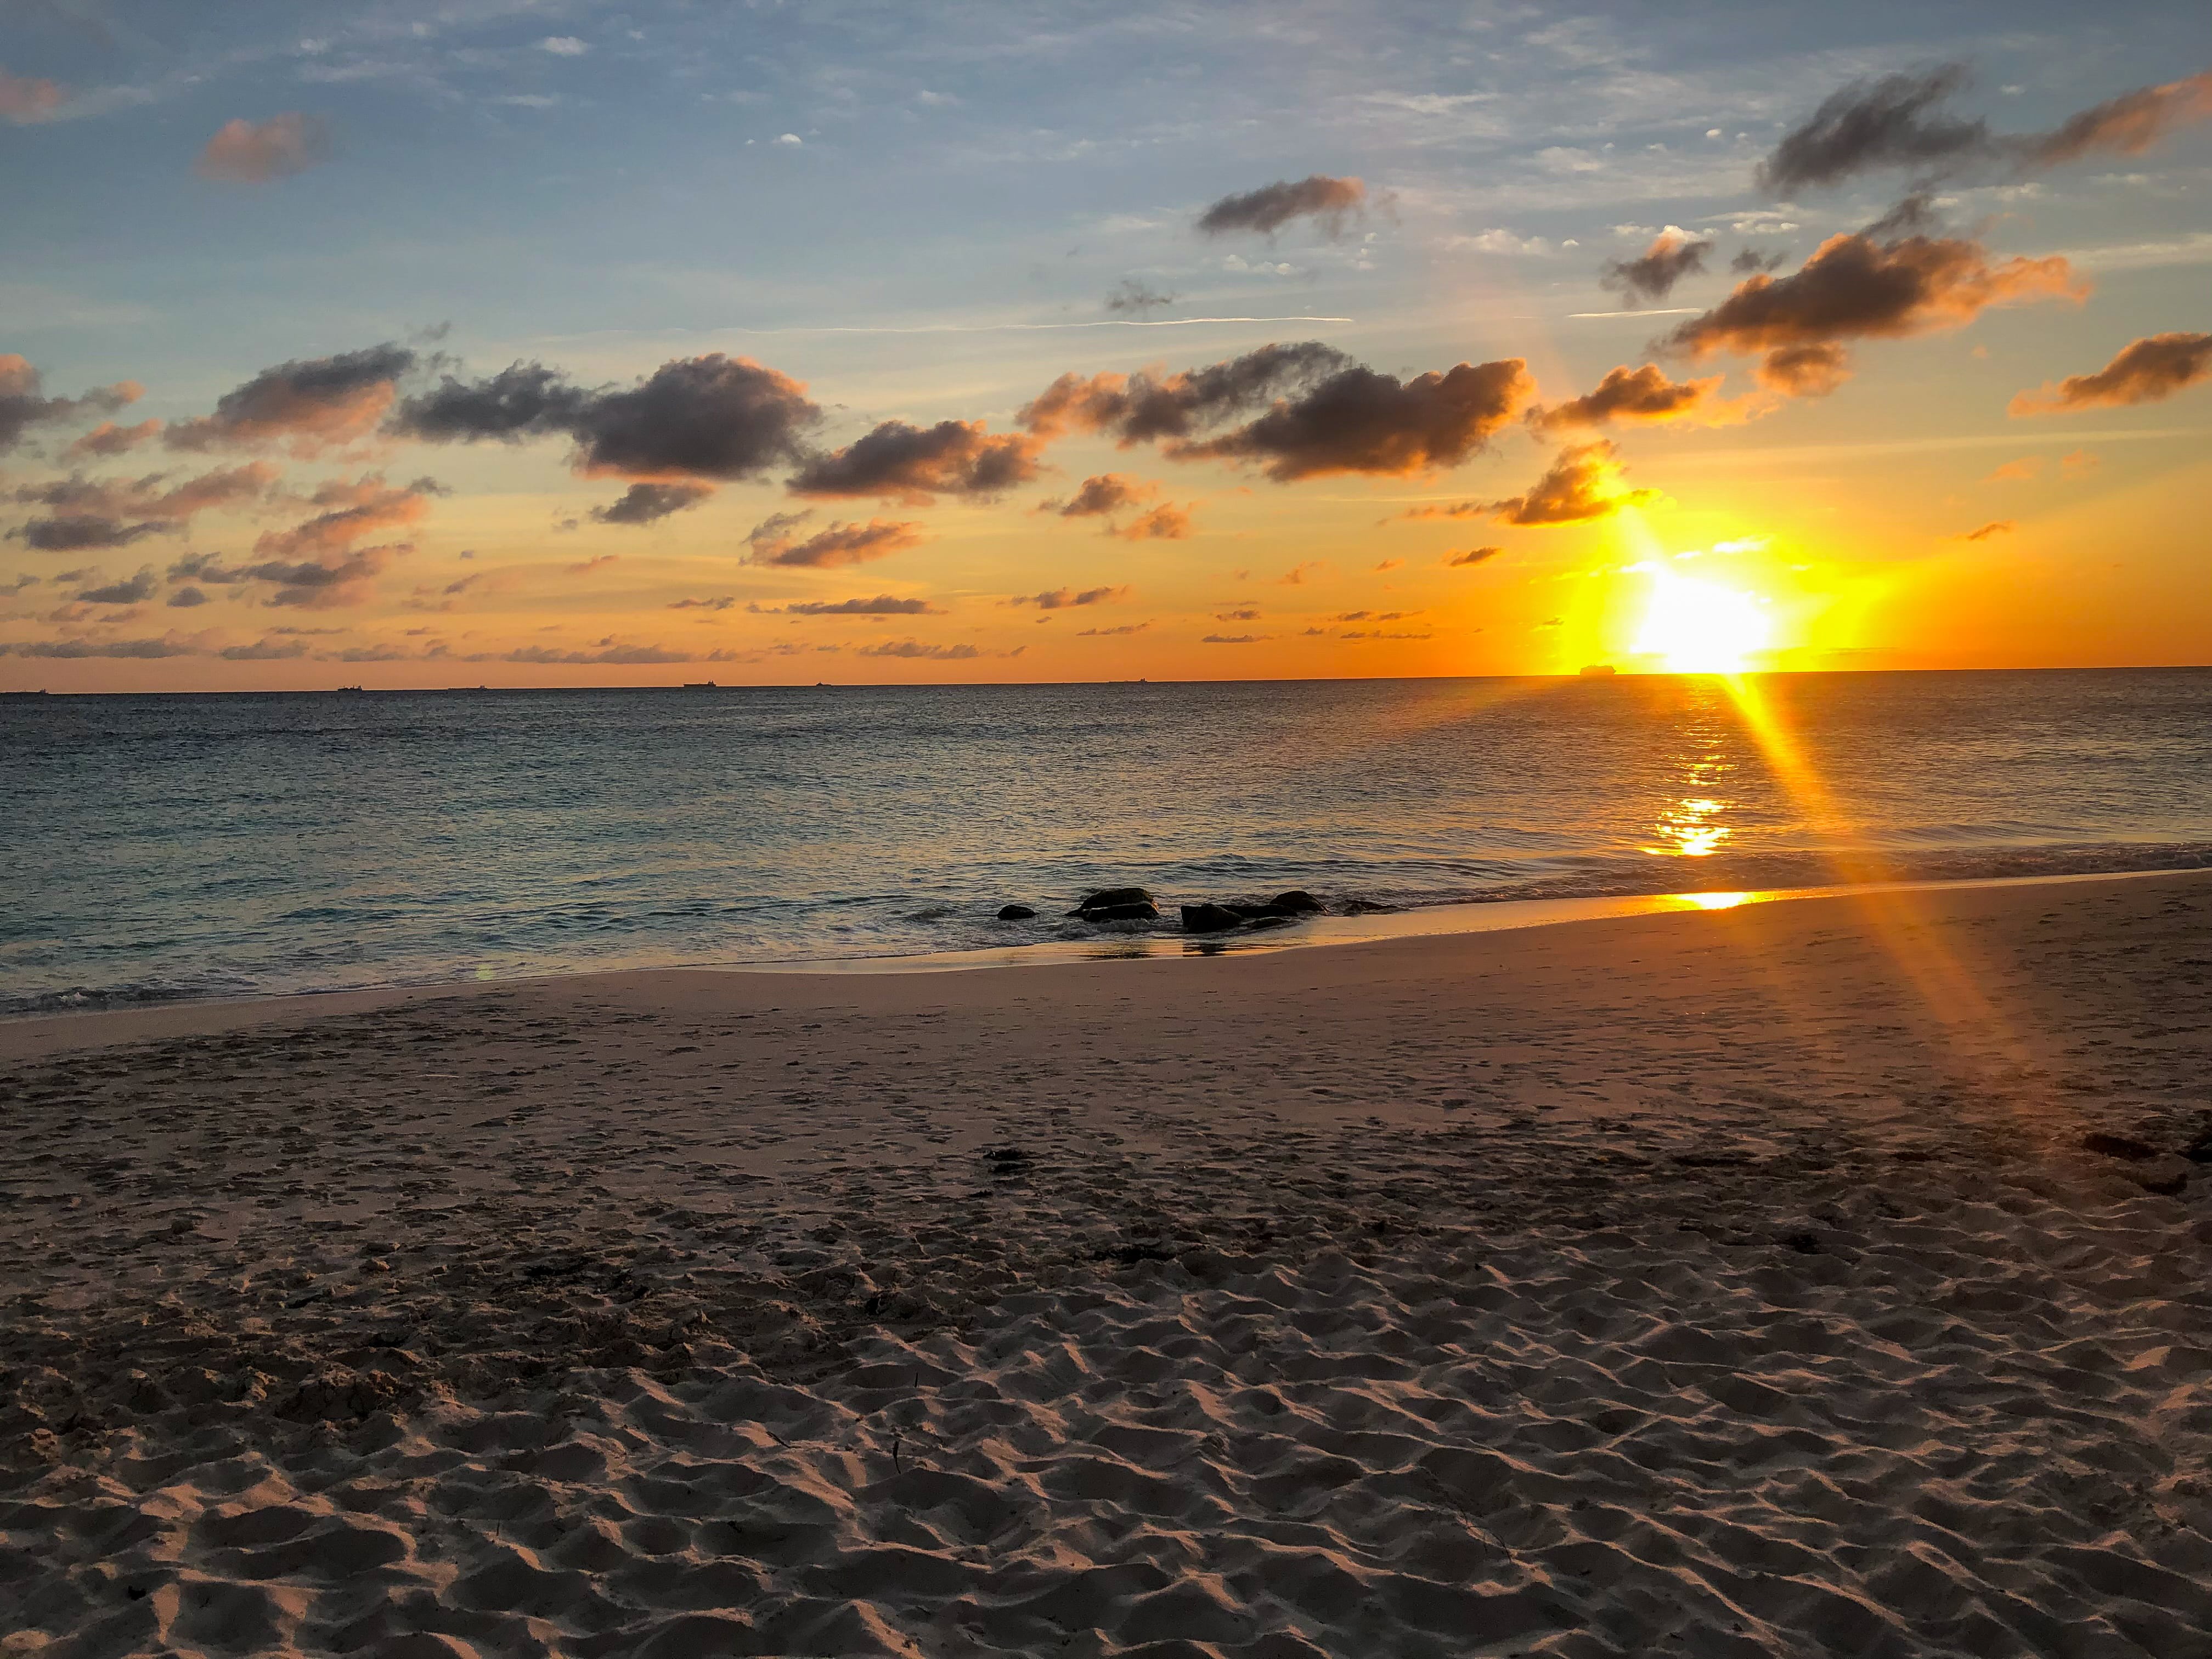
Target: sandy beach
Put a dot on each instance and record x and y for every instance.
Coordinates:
(1820, 1277)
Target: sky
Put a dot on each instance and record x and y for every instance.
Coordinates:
(493, 342)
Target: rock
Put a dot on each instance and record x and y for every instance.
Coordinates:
(1370, 908)
(1297, 902)
(2123, 1147)
(1140, 910)
(2163, 1174)
(1261, 924)
(1115, 896)
(1209, 918)
(1254, 912)
(2199, 1151)
(1015, 913)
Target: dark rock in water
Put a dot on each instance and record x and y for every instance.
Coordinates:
(1261, 924)
(1115, 896)
(1370, 908)
(1015, 913)
(1297, 902)
(2126, 1146)
(1254, 912)
(2164, 1175)
(2199, 1151)
(1209, 918)
(1137, 910)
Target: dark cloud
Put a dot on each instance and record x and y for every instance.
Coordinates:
(254, 152)
(73, 648)
(774, 541)
(1583, 483)
(74, 532)
(1165, 523)
(611, 653)
(1994, 527)
(1805, 371)
(883, 604)
(914, 465)
(2145, 372)
(721, 603)
(1234, 638)
(264, 650)
(1268, 209)
(1897, 122)
(1359, 420)
(309, 402)
(915, 648)
(1147, 406)
(1650, 277)
(1130, 294)
(1473, 556)
(1860, 286)
(643, 503)
(1107, 633)
(185, 598)
(23, 406)
(1061, 599)
(1101, 494)
(1748, 259)
(1636, 394)
(694, 417)
(134, 590)
(153, 496)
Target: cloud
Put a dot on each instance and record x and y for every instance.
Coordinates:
(24, 98)
(1296, 575)
(107, 439)
(772, 542)
(253, 153)
(134, 590)
(1102, 493)
(1382, 634)
(588, 565)
(1473, 556)
(75, 532)
(1642, 394)
(1150, 405)
(1132, 296)
(1994, 527)
(266, 649)
(1748, 259)
(1165, 523)
(184, 598)
(563, 46)
(1444, 510)
(693, 417)
(1858, 286)
(22, 405)
(2018, 471)
(1583, 483)
(643, 503)
(721, 603)
(1897, 122)
(74, 648)
(1652, 277)
(2079, 464)
(1109, 633)
(366, 506)
(309, 403)
(152, 497)
(2145, 371)
(914, 465)
(1324, 200)
(613, 654)
(1060, 598)
(915, 648)
(1248, 613)
(883, 604)
(1359, 420)
(1234, 639)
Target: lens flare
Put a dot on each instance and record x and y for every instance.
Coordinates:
(1700, 627)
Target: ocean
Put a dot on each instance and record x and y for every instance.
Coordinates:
(157, 848)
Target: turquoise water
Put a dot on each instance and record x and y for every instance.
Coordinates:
(165, 847)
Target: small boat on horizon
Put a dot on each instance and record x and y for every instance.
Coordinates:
(1597, 670)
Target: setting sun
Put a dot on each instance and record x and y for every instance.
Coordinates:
(1700, 627)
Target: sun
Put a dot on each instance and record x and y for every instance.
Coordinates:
(1700, 627)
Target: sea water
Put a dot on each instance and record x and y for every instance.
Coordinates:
(155, 847)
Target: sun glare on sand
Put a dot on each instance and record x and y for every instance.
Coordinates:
(1700, 627)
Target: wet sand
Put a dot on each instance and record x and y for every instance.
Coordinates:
(1819, 1277)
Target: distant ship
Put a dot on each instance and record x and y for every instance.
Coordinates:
(701, 685)
(1598, 670)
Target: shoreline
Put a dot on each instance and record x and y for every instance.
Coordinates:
(30, 1034)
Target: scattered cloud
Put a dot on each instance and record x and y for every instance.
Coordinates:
(24, 98)
(1582, 484)
(109, 439)
(134, 590)
(1061, 599)
(1266, 210)
(1165, 523)
(1245, 614)
(646, 503)
(1131, 296)
(23, 405)
(1234, 639)
(2020, 472)
(1471, 556)
(1643, 394)
(1101, 494)
(1107, 633)
(256, 152)
(914, 465)
(1296, 575)
(775, 541)
(309, 403)
(1994, 527)
(563, 46)
(2145, 371)
(584, 567)
(915, 648)
(883, 604)
(721, 603)
(171, 646)
(1650, 278)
